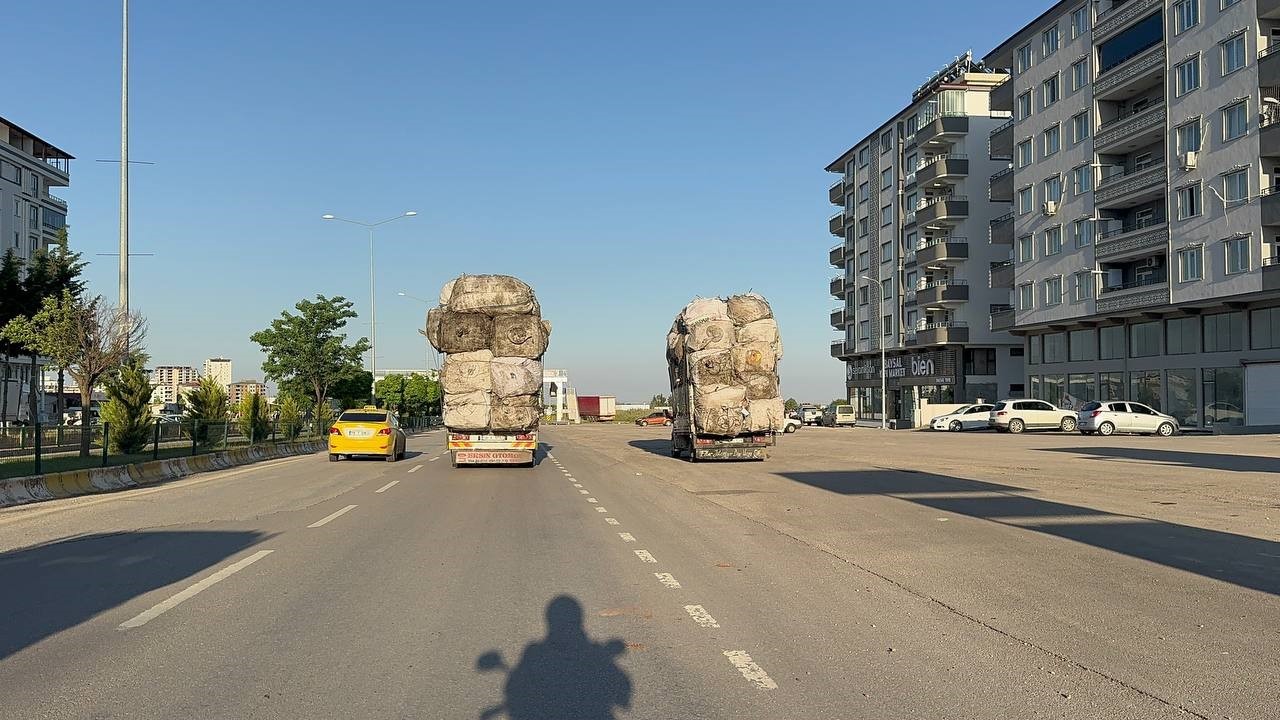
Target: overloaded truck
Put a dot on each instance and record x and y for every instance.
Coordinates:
(597, 408)
(722, 358)
(491, 330)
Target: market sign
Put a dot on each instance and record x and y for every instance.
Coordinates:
(937, 367)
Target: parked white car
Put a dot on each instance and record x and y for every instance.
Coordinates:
(966, 417)
(1107, 418)
(1016, 416)
(790, 425)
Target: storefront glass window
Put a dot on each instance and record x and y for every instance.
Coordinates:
(1037, 347)
(1223, 396)
(1112, 342)
(1182, 396)
(1111, 386)
(1055, 348)
(986, 392)
(1079, 391)
(1054, 386)
(1144, 387)
(1035, 388)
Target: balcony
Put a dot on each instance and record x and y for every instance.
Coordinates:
(910, 218)
(1120, 82)
(948, 166)
(943, 250)
(1131, 131)
(1137, 294)
(1000, 144)
(837, 286)
(1269, 65)
(837, 319)
(1269, 199)
(910, 257)
(1132, 239)
(1002, 317)
(1269, 130)
(1122, 189)
(836, 224)
(942, 333)
(55, 201)
(1001, 186)
(1119, 17)
(836, 256)
(943, 209)
(835, 193)
(942, 292)
(1001, 275)
(943, 127)
(1002, 229)
(1002, 97)
(1271, 273)
(838, 349)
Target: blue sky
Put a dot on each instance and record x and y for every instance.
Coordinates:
(620, 159)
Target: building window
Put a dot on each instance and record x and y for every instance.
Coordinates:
(1144, 387)
(1079, 21)
(1055, 347)
(1082, 232)
(1026, 248)
(1024, 153)
(1053, 243)
(864, 329)
(886, 326)
(1187, 75)
(1189, 137)
(886, 288)
(1144, 339)
(1024, 58)
(1188, 201)
(1079, 74)
(1182, 335)
(1026, 296)
(862, 157)
(1024, 105)
(864, 261)
(1224, 332)
(1052, 188)
(1111, 342)
(864, 192)
(1050, 90)
(913, 124)
(1025, 200)
(1236, 187)
(886, 215)
(913, 163)
(886, 251)
(980, 361)
(1051, 141)
(864, 227)
(1233, 54)
(1037, 349)
(886, 178)
(1235, 122)
(1079, 127)
(1190, 264)
(1081, 286)
(1084, 346)
(1186, 15)
(1264, 328)
(1081, 179)
(864, 295)
(1237, 255)
(1049, 42)
(1053, 291)
(1111, 386)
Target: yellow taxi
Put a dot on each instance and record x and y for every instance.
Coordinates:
(367, 431)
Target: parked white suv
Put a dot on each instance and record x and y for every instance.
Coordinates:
(1016, 416)
(1106, 418)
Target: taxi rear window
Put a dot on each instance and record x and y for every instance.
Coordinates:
(364, 417)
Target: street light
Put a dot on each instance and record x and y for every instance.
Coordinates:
(884, 416)
(373, 304)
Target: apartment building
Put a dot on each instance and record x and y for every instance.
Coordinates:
(238, 391)
(914, 255)
(166, 379)
(1144, 228)
(219, 369)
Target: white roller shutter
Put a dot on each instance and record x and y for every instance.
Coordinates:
(1262, 393)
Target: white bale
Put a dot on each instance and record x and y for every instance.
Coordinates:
(765, 415)
(765, 331)
(748, 308)
(709, 334)
(467, 372)
(514, 417)
(446, 292)
(467, 418)
(711, 367)
(705, 309)
(492, 295)
(515, 376)
(720, 409)
(754, 358)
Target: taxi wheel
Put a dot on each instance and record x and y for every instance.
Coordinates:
(394, 456)
(333, 457)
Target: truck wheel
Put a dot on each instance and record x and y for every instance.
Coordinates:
(675, 452)
(453, 460)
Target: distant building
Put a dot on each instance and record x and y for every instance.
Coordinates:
(165, 380)
(238, 391)
(219, 369)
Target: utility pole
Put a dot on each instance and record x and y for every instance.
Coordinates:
(124, 164)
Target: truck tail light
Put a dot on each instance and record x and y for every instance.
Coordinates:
(524, 436)
(702, 441)
(384, 431)
(459, 436)
(334, 430)
(761, 439)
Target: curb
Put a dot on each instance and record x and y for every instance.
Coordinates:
(53, 486)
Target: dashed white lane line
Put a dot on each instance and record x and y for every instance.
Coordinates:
(645, 556)
(612, 521)
(577, 485)
(416, 468)
(388, 486)
(701, 616)
(750, 670)
(592, 500)
(600, 509)
(668, 579)
(166, 605)
(627, 537)
(585, 492)
(330, 518)
(432, 459)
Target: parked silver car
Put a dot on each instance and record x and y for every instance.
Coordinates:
(1017, 415)
(965, 417)
(1107, 418)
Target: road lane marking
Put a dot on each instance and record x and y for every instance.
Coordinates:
(600, 509)
(416, 468)
(166, 605)
(577, 485)
(612, 521)
(701, 616)
(334, 516)
(388, 486)
(668, 580)
(750, 670)
(592, 500)
(585, 492)
(432, 459)
(645, 556)
(627, 537)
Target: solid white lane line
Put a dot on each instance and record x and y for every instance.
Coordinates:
(612, 521)
(592, 500)
(701, 616)
(334, 516)
(750, 670)
(668, 580)
(388, 486)
(600, 509)
(166, 605)
(585, 492)
(645, 556)
(416, 468)
(627, 537)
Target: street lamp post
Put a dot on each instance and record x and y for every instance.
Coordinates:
(884, 416)
(373, 303)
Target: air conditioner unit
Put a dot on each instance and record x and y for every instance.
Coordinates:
(1150, 262)
(1050, 207)
(1188, 160)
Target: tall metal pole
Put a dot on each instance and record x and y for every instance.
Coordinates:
(373, 328)
(124, 163)
(884, 416)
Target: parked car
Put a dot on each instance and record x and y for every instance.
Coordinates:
(810, 414)
(1017, 415)
(791, 424)
(839, 415)
(662, 417)
(1106, 418)
(966, 417)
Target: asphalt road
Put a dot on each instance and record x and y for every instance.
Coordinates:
(855, 574)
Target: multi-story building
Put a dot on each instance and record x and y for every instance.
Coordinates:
(30, 218)
(1145, 226)
(238, 391)
(914, 258)
(165, 380)
(219, 369)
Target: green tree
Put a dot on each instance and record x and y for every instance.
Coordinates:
(309, 350)
(205, 406)
(11, 306)
(790, 406)
(290, 417)
(352, 389)
(659, 400)
(253, 418)
(128, 409)
(413, 394)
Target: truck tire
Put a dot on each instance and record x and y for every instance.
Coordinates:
(675, 452)
(453, 460)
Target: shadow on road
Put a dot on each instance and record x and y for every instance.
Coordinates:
(1198, 460)
(1244, 561)
(657, 447)
(563, 676)
(48, 588)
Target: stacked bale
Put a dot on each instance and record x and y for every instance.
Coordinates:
(491, 330)
(727, 352)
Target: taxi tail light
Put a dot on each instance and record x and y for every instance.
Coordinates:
(334, 430)
(384, 431)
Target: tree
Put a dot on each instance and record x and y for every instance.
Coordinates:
(352, 389)
(205, 405)
(659, 400)
(408, 395)
(790, 406)
(309, 350)
(128, 409)
(90, 338)
(11, 306)
(290, 419)
(253, 418)
(65, 272)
